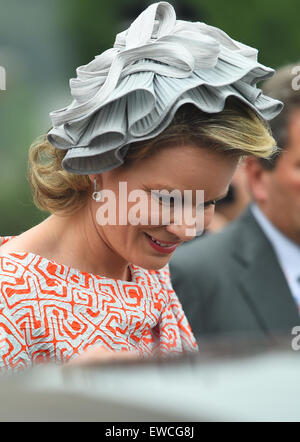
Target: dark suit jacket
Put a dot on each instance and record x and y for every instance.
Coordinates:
(230, 283)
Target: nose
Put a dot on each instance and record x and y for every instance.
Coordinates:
(188, 231)
(183, 232)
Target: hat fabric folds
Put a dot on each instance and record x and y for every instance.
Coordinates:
(132, 91)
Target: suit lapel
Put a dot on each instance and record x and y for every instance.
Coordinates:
(262, 281)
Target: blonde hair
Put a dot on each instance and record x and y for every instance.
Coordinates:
(54, 189)
(236, 130)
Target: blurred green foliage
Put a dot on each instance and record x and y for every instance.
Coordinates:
(42, 43)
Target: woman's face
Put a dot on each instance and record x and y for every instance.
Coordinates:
(179, 168)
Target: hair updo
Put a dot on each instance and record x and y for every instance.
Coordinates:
(236, 130)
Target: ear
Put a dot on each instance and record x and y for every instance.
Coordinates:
(258, 179)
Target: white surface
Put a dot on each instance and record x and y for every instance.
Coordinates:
(258, 388)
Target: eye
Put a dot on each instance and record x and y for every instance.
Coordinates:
(166, 199)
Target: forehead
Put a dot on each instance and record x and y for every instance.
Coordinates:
(196, 157)
(186, 167)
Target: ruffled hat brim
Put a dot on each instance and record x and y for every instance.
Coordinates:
(137, 100)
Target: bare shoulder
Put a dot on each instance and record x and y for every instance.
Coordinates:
(27, 241)
(16, 244)
(33, 240)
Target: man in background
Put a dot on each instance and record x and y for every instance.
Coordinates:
(236, 200)
(245, 279)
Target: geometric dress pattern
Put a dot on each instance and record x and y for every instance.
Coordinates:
(50, 312)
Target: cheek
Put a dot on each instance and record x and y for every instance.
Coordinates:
(287, 187)
(146, 212)
(126, 240)
(294, 182)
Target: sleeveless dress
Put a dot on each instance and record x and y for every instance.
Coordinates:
(51, 312)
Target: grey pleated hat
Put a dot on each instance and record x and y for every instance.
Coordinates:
(131, 92)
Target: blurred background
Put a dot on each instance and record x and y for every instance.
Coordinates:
(42, 43)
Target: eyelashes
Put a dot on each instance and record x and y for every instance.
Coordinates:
(166, 199)
(210, 203)
(171, 200)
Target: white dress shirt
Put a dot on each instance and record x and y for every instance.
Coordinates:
(286, 250)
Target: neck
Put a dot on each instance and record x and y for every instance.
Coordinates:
(79, 242)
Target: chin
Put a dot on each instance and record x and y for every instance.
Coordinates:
(152, 263)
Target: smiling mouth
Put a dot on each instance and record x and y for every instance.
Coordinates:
(162, 246)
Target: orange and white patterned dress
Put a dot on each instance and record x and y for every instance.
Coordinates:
(51, 312)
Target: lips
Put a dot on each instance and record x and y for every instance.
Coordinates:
(162, 246)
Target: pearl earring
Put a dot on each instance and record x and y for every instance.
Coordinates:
(96, 194)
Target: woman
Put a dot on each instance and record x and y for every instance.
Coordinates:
(173, 105)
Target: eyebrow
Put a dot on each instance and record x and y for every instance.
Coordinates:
(170, 189)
